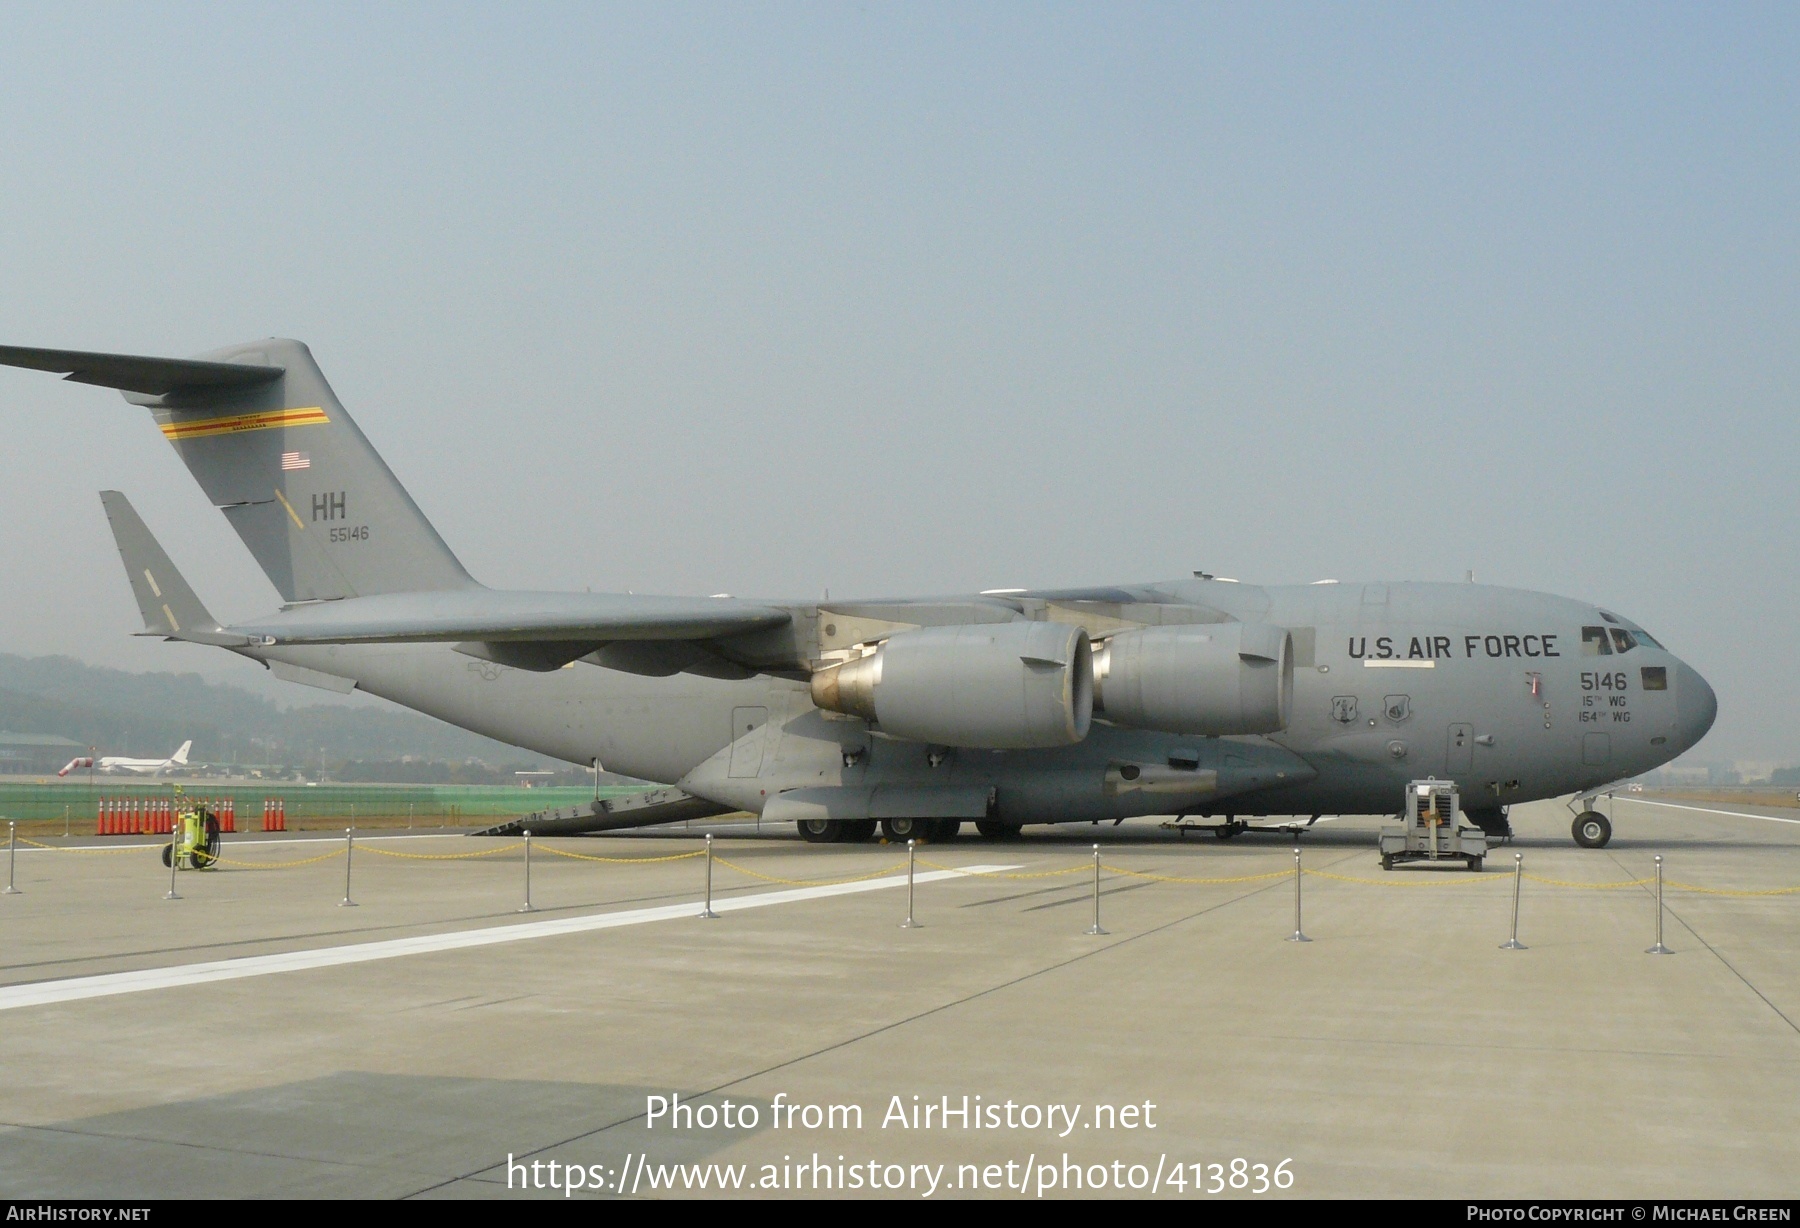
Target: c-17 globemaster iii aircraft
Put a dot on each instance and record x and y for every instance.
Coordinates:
(1198, 696)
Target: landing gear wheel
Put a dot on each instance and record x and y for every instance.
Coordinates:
(821, 831)
(207, 855)
(857, 830)
(944, 830)
(899, 831)
(1592, 829)
(994, 829)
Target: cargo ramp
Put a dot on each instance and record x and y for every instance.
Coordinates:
(648, 809)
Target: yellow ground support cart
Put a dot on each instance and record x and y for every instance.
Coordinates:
(196, 838)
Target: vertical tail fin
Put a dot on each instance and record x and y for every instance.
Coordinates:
(316, 505)
(180, 756)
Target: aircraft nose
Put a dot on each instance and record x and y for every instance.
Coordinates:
(1695, 705)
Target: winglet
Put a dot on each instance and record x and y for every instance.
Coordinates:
(168, 605)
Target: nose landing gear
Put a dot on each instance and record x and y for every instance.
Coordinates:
(1592, 829)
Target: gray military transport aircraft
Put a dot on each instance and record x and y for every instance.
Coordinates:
(1199, 696)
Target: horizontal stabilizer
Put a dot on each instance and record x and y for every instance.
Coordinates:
(133, 373)
(497, 616)
(274, 449)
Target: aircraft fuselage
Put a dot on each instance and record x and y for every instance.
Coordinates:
(1514, 695)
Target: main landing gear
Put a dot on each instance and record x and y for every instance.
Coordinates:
(899, 831)
(836, 831)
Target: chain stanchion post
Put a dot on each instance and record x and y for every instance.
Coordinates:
(1513, 943)
(912, 857)
(349, 852)
(1299, 935)
(527, 906)
(706, 912)
(1095, 928)
(1659, 948)
(12, 857)
(174, 862)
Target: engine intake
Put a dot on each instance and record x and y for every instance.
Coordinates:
(1219, 678)
(996, 686)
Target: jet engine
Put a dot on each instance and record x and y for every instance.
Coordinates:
(1216, 678)
(997, 686)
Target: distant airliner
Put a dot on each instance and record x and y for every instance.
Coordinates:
(119, 763)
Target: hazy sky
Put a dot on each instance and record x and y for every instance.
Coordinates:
(907, 298)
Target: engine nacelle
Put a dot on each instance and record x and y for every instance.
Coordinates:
(997, 686)
(1215, 678)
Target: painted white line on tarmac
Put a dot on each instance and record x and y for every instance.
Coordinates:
(44, 993)
(1734, 814)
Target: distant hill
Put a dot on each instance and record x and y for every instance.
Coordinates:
(147, 715)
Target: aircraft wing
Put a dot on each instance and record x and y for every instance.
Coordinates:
(499, 616)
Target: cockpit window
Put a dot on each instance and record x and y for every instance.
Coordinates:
(1593, 642)
(1608, 617)
(1622, 640)
(1644, 637)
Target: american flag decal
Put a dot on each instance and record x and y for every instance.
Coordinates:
(296, 460)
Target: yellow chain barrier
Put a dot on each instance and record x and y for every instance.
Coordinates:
(278, 865)
(1167, 878)
(624, 861)
(494, 852)
(1725, 891)
(1412, 880)
(1398, 880)
(1558, 882)
(936, 865)
(111, 848)
(809, 882)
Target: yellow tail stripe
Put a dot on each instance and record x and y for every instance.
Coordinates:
(268, 420)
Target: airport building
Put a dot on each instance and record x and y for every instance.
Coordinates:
(27, 754)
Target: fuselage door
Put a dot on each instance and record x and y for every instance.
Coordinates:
(1460, 760)
(748, 736)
